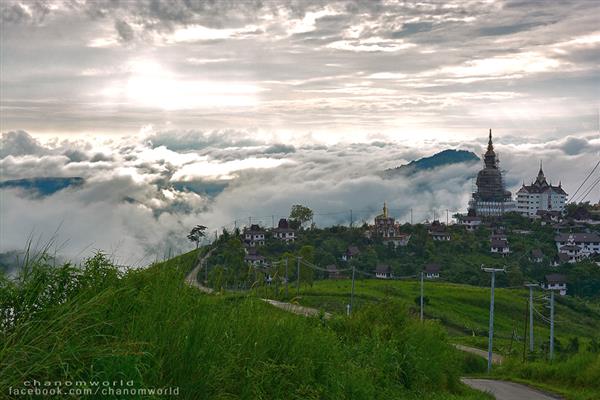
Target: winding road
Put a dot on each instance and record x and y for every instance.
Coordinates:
(503, 390)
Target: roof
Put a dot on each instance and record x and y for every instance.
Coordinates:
(332, 268)
(537, 253)
(352, 251)
(578, 237)
(283, 224)
(571, 247)
(254, 228)
(432, 268)
(499, 243)
(556, 278)
(469, 218)
(563, 257)
(253, 257)
(439, 233)
(498, 236)
(383, 269)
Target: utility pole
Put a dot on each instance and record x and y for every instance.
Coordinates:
(286, 278)
(411, 217)
(273, 221)
(491, 328)
(351, 220)
(447, 217)
(298, 277)
(421, 296)
(352, 292)
(531, 342)
(249, 222)
(551, 324)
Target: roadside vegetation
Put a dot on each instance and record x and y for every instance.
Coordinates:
(96, 322)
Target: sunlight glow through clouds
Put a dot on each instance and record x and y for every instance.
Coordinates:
(150, 85)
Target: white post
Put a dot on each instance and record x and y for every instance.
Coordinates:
(421, 296)
(491, 328)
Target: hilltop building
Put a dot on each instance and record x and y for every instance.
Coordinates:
(432, 271)
(491, 198)
(388, 229)
(540, 196)
(578, 245)
(556, 282)
(283, 231)
(254, 236)
(437, 231)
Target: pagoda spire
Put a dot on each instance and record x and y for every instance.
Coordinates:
(385, 210)
(490, 144)
(541, 172)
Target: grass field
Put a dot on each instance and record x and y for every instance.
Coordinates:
(101, 324)
(464, 309)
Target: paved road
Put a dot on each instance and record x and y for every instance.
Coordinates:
(503, 390)
(496, 358)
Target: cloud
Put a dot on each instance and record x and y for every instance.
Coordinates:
(19, 143)
(139, 203)
(124, 30)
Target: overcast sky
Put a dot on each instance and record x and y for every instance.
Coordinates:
(178, 112)
(327, 69)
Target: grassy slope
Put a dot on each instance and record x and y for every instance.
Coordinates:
(149, 327)
(464, 309)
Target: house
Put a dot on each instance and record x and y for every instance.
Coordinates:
(383, 271)
(350, 253)
(588, 242)
(499, 247)
(470, 222)
(438, 232)
(548, 216)
(254, 236)
(556, 282)
(537, 256)
(540, 196)
(283, 231)
(575, 253)
(498, 237)
(432, 271)
(386, 228)
(255, 260)
(561, 258)
(333, 272)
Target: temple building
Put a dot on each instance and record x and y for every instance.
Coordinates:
(388, 229)
(540, 196)
(491, 198)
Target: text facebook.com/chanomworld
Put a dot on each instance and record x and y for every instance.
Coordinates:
(89, 388)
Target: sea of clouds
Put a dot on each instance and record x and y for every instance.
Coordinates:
(143, 193)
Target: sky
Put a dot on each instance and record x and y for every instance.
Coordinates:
(179, 112)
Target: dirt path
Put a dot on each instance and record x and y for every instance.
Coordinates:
(496, 358)
(192, 278)
(296, 309)
(503, 390)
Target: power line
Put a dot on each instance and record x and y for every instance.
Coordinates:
(589, 190)
(584, 181)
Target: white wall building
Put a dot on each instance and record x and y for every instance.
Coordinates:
(540, 195)
(589, 243)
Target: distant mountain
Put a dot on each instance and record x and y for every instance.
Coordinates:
(441, 159)
(43, 186)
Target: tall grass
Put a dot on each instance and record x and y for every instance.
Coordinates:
(578, 375)
(147, 326)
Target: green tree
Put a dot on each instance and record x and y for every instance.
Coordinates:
(300, 214)
(196, 234)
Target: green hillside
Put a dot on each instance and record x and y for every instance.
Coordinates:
(464, 310)
(97, 323)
